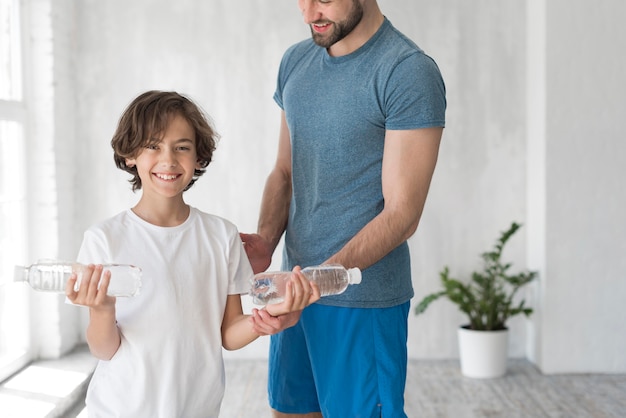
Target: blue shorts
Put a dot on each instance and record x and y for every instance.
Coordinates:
(342, 362)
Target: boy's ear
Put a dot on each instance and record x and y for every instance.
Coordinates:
(130, 162)
(198, 165)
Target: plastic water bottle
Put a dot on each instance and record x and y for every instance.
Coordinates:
(332, 279)
(52, 276)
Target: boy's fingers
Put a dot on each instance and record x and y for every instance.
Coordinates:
(85, 279)
(94, 280)
(71, 284)
(104, 285)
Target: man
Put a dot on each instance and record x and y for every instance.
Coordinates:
(363, 114)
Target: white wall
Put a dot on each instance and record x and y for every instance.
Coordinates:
(225, 56)
(581, 314)
(479, 184)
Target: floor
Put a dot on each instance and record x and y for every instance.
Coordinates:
(435, 388)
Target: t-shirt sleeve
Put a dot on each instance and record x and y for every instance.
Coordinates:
(239, 268)
(93, 249)
(415, 95)
(290, 59)
(280, 82)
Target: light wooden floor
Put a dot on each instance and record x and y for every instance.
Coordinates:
(437, 389)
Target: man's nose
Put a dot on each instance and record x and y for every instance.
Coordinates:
(310, 11)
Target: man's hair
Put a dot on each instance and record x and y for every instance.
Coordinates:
(145, 120)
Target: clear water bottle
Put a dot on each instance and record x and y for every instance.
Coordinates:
(332, 279)
(52, 276)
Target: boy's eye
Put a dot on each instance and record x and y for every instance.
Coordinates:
(152, 146)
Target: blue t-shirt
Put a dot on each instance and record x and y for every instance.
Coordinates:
(337, 110)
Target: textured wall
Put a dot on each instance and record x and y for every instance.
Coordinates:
(226, 57)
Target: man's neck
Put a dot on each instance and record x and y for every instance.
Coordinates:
(362, 33)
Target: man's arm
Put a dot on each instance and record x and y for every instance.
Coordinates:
(409, 161)
(274, 206)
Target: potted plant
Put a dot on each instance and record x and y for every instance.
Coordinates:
(488, 301)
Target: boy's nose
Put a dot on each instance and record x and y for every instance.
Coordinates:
(168, 159)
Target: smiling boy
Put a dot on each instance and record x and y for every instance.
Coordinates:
(160, 353)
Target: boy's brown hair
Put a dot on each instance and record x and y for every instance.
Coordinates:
(146, 119)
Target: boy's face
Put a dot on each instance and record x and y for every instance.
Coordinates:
(166, 166)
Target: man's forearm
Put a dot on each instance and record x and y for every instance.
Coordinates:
(408, 166)
(377, 239)
(275, 207)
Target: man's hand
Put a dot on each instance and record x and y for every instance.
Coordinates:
(259, 251)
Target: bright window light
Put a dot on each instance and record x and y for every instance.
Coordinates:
(14, 319)
(10, 51)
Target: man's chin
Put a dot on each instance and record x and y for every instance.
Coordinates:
(322, 40)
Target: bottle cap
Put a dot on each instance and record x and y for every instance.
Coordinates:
(355, 275)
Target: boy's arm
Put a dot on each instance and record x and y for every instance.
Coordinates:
(239, 330)
(103, 335)
(236, 331)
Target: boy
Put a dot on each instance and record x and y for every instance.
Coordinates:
(161, 351)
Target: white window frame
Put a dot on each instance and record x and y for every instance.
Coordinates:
(15, 342)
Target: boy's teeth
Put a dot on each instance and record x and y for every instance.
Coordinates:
(166, 177)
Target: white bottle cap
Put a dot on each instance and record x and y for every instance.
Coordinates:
(355, 275)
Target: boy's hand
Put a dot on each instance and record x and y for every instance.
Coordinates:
(93, 288)
(300, 293)
(265, 324)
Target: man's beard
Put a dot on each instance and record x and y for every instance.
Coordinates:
(339, 29)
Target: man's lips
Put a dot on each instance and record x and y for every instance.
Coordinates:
(320, 27)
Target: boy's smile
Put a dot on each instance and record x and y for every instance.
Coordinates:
(166, 177)
(167, 164)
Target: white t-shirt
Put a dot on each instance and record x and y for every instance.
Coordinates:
(170, 361)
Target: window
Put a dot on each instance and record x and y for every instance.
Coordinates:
(10, 51)
(14, 320)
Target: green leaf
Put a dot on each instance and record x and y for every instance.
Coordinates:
(487, 298)
(421, 307)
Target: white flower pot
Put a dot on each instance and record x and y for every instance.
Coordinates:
(483, 354)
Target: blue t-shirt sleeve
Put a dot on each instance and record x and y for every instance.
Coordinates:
(415, 95)
(283, 72)
(278, 94)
